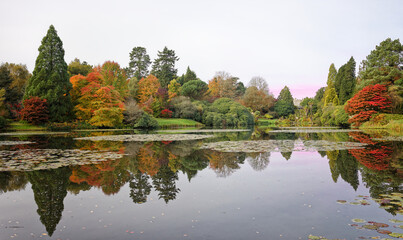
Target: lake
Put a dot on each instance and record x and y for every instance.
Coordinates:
(292, 183)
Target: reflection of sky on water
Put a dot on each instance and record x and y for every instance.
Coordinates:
(199, 194)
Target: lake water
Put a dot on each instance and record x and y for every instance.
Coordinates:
(57, 187)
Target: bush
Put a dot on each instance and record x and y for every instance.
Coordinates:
(60, 126)
(3, 122)
(166, 113)
(226, 112)
(35, 111)
(132, 113)
(147, 122)
(183, 108)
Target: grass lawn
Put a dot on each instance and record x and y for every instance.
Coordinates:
(177, 122)
(24, 126)
(267, 122)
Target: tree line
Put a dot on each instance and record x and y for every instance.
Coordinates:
(108, 95)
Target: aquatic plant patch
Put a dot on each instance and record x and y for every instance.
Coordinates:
(281, 146)
(314, 130)
(204, 130)
(147, 137)
(12, 143)
(40, 159)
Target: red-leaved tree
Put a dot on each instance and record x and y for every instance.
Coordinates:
(166, 113)
(35, 110)
(370, 100)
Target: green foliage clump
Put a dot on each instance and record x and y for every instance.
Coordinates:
(164, 66)
(146, 122)
(76, 67)
(285, 103)
(50, 79)
(334, 116)
(183, 108)
(195, 89)
(226, 112)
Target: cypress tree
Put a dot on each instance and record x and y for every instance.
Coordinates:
(50, 79)
(330, 92)
(345, 81)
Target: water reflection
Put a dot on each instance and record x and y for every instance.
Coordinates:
(154, 166)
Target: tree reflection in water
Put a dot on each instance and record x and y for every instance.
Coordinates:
(155, 166)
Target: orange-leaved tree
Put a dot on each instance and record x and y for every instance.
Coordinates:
(113, 75)
(369, 101)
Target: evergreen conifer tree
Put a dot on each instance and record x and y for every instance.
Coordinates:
(285, 103)
(330, 92)
(139, 63)
(164, 67)
(345, 81)
(50, 79)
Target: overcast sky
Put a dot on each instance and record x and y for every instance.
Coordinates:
(286, 42)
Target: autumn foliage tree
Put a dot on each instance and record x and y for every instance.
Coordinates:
(369, 101)
(147, 90)
(97, 104)
(35, 110)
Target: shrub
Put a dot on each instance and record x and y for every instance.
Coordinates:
(132, 112)
(166, 113)
(146, 121)
(226, 112)
(183, 108)
(35, 111)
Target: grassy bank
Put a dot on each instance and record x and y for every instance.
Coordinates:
(385, 121)
(177, 122)
(267, 122)
(24, 126)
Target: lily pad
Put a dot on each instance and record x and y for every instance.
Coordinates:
(371, 227)
(342, 201)
(396, 235)
(358, 220)
(147, 137)
(380, 225)
(383, 231)
(281, 146)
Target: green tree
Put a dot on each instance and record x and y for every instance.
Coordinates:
(19, 74)
(330, 91)
(188, 76)
(285, 103)
(383, 65)
(50, 79)
(76, 67)
(139, 63)
(195, 89)
(5, 83)
(164, 66)
(345, 81)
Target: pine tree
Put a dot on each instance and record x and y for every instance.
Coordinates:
(285, 103)
(164, 67)
(50, 79)
(139, 63)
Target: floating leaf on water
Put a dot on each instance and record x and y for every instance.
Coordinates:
(380, 225)
(342, 201)
(354, 203)
(396, 235)
(383, 231)
(358, 220)
(371, 227)
(399, 226)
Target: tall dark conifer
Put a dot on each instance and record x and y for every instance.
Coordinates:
(345, 81)
(50, 79)
(164, 67)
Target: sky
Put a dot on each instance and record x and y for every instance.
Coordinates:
(287, 42)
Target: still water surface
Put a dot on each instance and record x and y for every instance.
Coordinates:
(175, 190)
